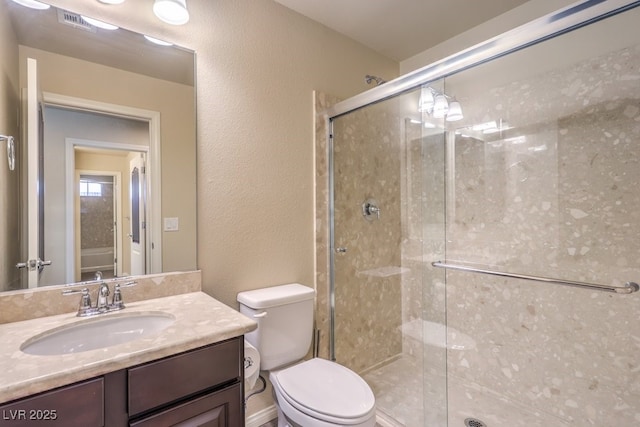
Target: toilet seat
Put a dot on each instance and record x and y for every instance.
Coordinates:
(326, 391)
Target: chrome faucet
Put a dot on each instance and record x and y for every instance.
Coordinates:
(103, 294)
(102, 304)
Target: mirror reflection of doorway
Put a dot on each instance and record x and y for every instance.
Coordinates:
(80, 141)
(98, 225)
(112, 212)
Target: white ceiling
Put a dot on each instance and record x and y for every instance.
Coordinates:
(400, 29)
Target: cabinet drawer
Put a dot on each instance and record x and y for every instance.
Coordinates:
(158, 383)
(75, 405)
(221, 408)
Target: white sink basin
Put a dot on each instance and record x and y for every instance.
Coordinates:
(98, 332)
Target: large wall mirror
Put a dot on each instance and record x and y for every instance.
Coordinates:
(97, 153)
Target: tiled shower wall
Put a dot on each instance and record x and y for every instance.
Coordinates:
(555, 196)
(96, 219)
(367, 158)
(380, 278)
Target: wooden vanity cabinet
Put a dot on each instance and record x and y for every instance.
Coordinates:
(198, 388)
(210, 377)
(79, 404)
(221, 408)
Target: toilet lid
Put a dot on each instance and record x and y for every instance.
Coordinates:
(327, 388)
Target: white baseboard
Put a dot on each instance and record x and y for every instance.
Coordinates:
(261, 417)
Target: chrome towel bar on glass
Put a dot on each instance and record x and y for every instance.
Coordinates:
(628, 288)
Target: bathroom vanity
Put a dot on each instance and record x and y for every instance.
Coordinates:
(201, 385)
(192, 370)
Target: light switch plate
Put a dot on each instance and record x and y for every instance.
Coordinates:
(171, 224)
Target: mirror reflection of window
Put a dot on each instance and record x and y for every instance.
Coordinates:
(90, 189)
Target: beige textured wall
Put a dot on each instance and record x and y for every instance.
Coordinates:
(507, 21)
(258, 64)
(9, 112)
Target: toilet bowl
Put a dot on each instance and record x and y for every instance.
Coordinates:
(312, 393)
(320, 393)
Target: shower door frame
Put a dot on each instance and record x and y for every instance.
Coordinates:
(564, 20)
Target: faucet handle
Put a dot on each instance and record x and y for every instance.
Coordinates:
(117, 303)
(85, 301)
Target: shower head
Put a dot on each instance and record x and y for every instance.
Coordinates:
(369, 79)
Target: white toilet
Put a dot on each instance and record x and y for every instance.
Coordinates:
(313, 393)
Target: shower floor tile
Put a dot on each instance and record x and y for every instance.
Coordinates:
(398, 391)
(402, 394)
(471, 401)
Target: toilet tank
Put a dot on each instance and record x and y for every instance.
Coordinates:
(285, 322)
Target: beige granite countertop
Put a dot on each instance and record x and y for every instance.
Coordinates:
(199, 320)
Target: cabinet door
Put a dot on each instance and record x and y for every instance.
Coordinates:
(75, 405)
(219, 409)
(162, 382)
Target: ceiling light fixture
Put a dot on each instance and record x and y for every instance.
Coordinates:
(425, 104)
(440, 106)
(111, 1)
(172, 12)
(455, 112)
(33, 4)
(99, 24)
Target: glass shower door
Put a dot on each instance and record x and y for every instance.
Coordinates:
(387, 208)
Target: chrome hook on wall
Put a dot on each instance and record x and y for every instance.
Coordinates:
(11, 151)
(369, 209)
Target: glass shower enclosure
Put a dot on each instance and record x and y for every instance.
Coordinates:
(484, 217)
(388, 212)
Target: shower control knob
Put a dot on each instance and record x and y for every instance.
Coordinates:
(370, 210)
(373, 210)
(341, 250)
